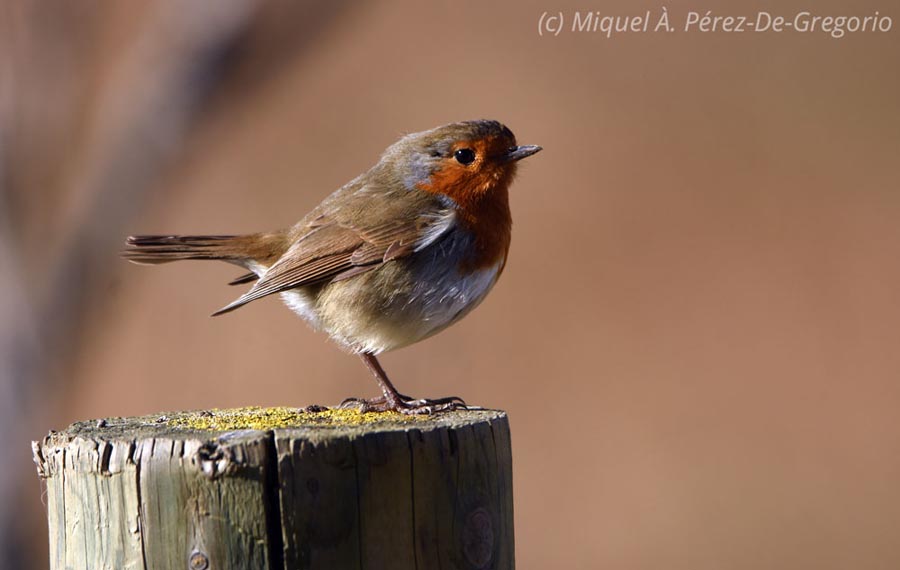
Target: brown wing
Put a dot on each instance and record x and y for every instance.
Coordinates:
(331, 251)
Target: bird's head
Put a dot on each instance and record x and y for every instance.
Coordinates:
(465, 162)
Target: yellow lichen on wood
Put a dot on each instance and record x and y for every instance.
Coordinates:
(272, 418)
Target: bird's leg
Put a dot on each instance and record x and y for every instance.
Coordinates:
(392, 400)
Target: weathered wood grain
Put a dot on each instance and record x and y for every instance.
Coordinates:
(150, 493)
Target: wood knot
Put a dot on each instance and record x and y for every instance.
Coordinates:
(214, 459)
(198, 561)
(478, 538)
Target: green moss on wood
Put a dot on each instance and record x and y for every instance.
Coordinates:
(273, 418)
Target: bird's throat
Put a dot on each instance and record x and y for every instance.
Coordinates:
(482, 204)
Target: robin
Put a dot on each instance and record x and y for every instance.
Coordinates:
(394, 256)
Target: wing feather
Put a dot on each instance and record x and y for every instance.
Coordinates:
(330, 250)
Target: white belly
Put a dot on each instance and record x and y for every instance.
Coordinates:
(426, 301)
(303, 303)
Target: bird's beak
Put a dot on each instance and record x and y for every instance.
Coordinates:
(520, 152)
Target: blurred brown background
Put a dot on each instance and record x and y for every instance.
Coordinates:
(696, 336)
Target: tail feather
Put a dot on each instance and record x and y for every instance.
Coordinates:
(251, 251)
(246, 278)
(163, 249)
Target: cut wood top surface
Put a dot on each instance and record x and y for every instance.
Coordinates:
(213, 423)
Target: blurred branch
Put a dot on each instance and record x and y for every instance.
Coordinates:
(140, 114)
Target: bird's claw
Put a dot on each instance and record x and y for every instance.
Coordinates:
(405, 405)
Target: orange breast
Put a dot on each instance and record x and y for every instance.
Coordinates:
(483, 200)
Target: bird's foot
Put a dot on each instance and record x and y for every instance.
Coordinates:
(405, 404)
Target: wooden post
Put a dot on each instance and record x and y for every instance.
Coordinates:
(280, 489)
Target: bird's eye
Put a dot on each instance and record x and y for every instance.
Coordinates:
(464, 156)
